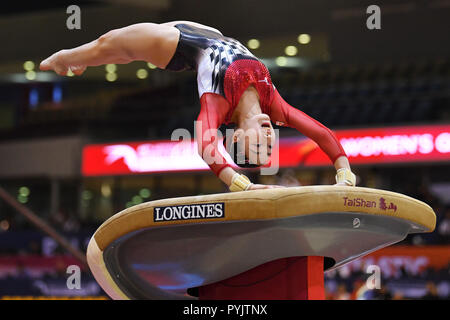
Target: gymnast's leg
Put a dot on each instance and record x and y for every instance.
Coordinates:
(150, 42)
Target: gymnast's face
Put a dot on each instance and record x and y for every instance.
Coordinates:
(256, 136)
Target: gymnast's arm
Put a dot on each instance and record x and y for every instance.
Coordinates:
(212, 114)
(143, 41)
(283, 112)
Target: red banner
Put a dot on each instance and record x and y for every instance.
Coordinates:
(383, 145)
(363, 146)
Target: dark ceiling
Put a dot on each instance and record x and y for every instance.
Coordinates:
(410, 29)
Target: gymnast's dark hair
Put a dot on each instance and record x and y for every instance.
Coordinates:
(236, 153)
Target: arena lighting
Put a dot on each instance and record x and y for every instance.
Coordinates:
(24, 191)
(111, 68)
(70, 73)
(137, 200)
(151, 66)
(28, 65)
(363, 146)
(304, 38)
(291, 50)
(38, 77)
(111, 76)
(145, 193)
(291, 62)
(106, 190)
(253, 43)
(30, 75)
(57, 94)
(129, 204)
(22, 199)
(281, 61)
(142, 74)
(33, 98)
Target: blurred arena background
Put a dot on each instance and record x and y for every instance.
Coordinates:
(385, 92)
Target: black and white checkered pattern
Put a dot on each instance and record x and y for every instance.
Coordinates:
(209, 53)
(223, 53)
(220, 53)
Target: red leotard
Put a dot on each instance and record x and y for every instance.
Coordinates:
(215, 110)
(225, 69)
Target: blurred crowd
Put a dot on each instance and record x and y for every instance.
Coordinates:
(430, 284)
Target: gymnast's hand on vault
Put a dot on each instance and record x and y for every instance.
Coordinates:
(341, 184)
(263, 186)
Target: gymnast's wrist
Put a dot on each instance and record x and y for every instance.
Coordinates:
(240, 182)
(345, 176)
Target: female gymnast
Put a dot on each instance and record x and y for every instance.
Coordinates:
(234, 87)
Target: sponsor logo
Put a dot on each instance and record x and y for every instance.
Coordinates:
(265, 81)
(385, 207)
(360, 202)
(189, 212)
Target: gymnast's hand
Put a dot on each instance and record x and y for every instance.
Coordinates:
(58, 63)
(344, 174)
(345, 177)
(263, 186)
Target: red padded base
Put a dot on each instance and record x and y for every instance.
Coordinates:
(294, 278)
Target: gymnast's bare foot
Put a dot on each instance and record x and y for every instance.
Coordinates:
(56, 62)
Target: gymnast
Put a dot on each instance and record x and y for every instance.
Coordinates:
(234, 87)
